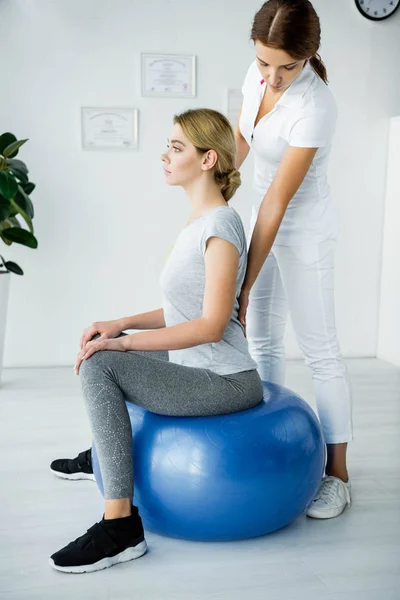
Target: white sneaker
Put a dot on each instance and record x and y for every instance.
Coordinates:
(332, 498)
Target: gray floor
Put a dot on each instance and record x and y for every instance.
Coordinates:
(354, 557)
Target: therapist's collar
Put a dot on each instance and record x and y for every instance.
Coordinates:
(298, 88)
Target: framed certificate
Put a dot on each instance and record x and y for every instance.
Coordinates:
(109, 128)
(168, 75)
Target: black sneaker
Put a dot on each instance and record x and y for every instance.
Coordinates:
(106, 543)
(74, 468)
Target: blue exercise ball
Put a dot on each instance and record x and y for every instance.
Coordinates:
(227, 477)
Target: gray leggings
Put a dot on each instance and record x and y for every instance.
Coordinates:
(149, 380)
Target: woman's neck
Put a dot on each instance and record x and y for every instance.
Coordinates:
(203, 197)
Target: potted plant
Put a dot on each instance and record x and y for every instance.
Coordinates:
(15, 205)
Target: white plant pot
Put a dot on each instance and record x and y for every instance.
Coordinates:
(4, 288)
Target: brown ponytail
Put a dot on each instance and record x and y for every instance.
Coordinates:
(317, 64)
(292, 26)
(228, 182)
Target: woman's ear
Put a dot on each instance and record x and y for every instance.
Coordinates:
(209, 160)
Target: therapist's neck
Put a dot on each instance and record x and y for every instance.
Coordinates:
(204, 195)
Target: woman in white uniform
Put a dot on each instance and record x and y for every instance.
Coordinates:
(288, 120)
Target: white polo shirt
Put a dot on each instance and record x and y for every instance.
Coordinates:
(304, 116)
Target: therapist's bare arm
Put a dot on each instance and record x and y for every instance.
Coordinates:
(288, 178)
(221, 261)
(242, 147)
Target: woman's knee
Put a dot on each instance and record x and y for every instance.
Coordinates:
(94, 364)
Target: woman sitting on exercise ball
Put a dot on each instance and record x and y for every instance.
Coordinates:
(194, 361)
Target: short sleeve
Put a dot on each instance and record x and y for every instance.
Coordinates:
(251, 76)
(312, 130)
(228, 229)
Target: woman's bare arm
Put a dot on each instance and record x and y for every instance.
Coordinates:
(110, 329)
(242, 147)
(221, 261)
(148, 320)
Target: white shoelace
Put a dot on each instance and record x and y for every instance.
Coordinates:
(328, 490)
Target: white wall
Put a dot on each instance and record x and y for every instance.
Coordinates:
(106, 221)
(389, 314)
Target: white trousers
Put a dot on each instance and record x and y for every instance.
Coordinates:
(299, 280)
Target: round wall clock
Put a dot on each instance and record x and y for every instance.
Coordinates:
(377, 10)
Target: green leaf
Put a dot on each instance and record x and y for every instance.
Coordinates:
(5, 239)
(8, 185)
(20, 175)
(23, 214)
(18, 168)
(17, 163)
(5, 224)
(20, 236)
(13, 212)
(14, 222)
(13, 267)
(12, 149)
(5, 208)
(28, 187)
(5, 140)
(23, 201)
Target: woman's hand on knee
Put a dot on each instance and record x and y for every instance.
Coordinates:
(119, 344)
(103, 329)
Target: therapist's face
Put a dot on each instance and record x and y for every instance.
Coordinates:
(182, 162)
(278, 68)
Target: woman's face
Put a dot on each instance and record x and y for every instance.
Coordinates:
(182, 162)
(278, 68)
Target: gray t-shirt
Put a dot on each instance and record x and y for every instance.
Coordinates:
(182, 286)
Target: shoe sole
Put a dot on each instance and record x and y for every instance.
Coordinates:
(328, 514)
(73, 476)
(125, 556)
